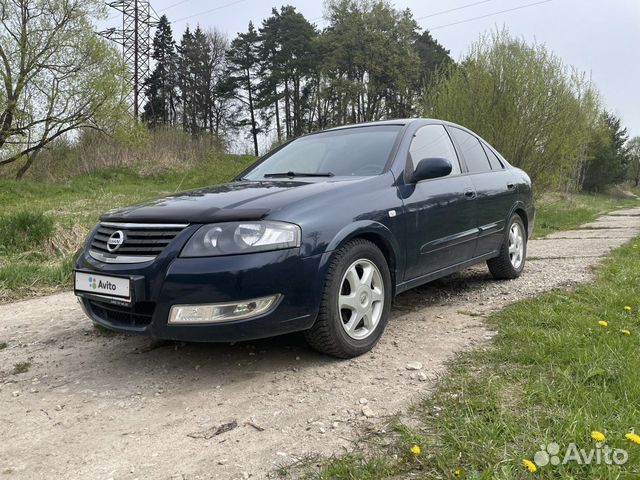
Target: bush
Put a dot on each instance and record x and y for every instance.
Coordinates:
(523, 100)
(24, 231)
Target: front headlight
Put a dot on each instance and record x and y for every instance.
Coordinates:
(241, 237)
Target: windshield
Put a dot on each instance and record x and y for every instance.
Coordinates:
(361, 151)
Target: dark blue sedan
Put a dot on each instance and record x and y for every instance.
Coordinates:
(318, 236)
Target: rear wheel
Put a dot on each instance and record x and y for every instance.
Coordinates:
(356, 302)
(510, 263)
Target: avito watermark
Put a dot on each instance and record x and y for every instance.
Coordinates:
(601, 454)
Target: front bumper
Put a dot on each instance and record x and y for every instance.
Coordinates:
(170, 280)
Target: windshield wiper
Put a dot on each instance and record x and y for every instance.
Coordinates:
(291, 174)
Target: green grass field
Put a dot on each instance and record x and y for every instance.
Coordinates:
(566, 211)
(555, 373)
(43, 224)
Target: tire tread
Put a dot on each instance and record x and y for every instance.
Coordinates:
(320, 337)
(500, 266)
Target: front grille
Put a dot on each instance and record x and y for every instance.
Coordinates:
(141, 241)
(138, 316)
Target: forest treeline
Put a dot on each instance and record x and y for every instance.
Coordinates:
(286, 77)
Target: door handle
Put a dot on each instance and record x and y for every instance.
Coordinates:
(511, 186)
(470, 194)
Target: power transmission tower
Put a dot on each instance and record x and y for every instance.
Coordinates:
(138, 17)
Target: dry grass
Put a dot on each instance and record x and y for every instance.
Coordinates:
(148, 152)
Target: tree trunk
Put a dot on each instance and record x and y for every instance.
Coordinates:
(23, 169)
(287, 114)
(277, 108)
(297, 121)
(253, 116)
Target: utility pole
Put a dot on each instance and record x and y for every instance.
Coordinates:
(138, 17)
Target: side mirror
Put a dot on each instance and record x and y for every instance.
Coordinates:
(431, 168)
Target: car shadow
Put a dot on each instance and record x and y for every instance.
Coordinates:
(125, 362)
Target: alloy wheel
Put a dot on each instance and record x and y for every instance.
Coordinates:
(361, 299)
(516, 245)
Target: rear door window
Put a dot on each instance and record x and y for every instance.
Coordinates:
(471, 150)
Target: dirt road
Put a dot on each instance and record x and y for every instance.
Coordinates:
(99, 407)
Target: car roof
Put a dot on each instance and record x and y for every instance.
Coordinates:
(396, 121)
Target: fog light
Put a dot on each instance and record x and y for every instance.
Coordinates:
(221, 312)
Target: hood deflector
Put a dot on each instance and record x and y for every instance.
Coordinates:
(168, 214)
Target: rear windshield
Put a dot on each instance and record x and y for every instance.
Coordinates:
(360, 151)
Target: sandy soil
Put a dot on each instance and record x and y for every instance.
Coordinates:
(124, 407)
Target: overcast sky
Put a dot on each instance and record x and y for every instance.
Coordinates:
(600, 37)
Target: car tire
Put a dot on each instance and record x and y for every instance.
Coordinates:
(357, 284)
(509, 264)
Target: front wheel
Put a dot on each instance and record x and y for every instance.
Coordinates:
(513, 252)
(356, 302)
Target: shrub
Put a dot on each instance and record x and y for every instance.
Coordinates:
(538, 112)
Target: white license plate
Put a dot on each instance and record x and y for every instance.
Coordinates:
(103, 285)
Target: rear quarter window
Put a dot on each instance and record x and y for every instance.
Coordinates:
(494, 161)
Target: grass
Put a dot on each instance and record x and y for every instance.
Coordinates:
(552, 375)
(24, 230)
(21, 367)
(100, 331)
(568, 211)
(42, 225)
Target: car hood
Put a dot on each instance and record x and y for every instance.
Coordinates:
(243, 200)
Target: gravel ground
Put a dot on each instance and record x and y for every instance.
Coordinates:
(123, 407)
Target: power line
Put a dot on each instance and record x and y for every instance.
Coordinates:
(173, 5)
(453, 9)
(442, 12)
(490, 14)
(209, 11)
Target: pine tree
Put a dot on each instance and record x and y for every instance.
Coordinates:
(609, 158)
(199, 61)
(433, 57)
(370, 60)
(161, 87)
(288, 54)
(242, 63)
(185, 80)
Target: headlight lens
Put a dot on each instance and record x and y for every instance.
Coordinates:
(241, 237)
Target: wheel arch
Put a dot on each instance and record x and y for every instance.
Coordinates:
(520, 210)
(380, 236)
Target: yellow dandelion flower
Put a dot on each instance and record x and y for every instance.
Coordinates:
(598, 436)
(603, 323)
(529, 465)
(633, 437)
(624, 331)
(416, 450)
(627, 308)
(457, 473)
